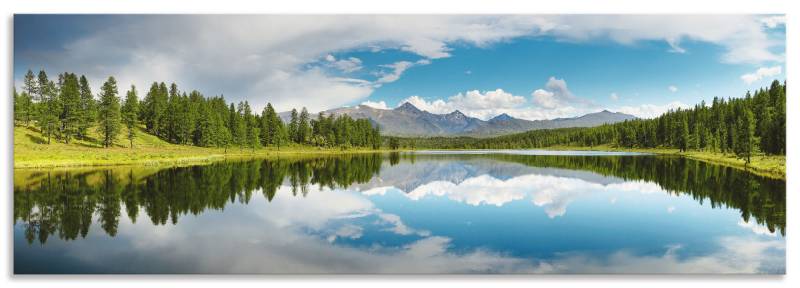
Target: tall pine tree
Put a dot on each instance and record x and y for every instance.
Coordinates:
(71, 109)
(88, 108)
(130, 112)
(108, 116)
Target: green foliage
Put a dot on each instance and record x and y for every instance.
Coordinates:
(394, 143)
(683, 143)
(273, 133)
(154, 109)
(743, 126)
(130, 113)
(88, 108)
(23, 107)
(70, 116)
(344, 131)
(48, 107)
(294, 123)
(238, 133)
(303, 127)
(745, 130)
(108, 116)
(67, 109)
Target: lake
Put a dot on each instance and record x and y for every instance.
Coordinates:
(427, 212)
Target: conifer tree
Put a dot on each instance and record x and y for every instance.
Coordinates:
(303, 127)
(71, 110)
(88, 108)
(108, 116)
(23, 107)
(294, 124)
(49, 106)
(130, 112)
(745, 129)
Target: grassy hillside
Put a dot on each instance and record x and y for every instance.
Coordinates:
(31, 151)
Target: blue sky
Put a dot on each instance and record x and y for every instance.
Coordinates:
(529, 66)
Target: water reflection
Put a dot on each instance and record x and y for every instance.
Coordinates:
(345, 209)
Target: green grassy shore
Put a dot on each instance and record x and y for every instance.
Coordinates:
(765, 165)
(29, 152)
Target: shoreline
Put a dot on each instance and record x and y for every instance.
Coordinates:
(186, 159)
(768, 166)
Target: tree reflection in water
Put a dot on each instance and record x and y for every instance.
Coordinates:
(65, 202)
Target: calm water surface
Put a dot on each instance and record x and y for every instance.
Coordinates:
(431, 212)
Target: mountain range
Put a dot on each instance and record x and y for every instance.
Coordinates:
(408, 120)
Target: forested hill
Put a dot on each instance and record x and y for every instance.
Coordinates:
(755, 123)
(408, 120)
(66, 109)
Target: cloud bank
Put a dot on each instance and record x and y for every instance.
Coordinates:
(289, 60)
(761, 73)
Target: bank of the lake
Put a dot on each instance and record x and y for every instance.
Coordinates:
(30, 152)
(773, 166)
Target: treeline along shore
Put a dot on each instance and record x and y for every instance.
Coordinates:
(749, 132)
(62, 123)
(67, 109)
(167, 123)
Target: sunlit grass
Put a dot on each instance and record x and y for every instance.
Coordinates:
(773, 166)
(149, 150)
(31, 151)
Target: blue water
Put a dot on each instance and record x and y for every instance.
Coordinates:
(422, 213)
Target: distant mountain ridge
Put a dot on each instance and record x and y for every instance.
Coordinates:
(408, 120)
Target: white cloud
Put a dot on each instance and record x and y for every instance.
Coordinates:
(552, 193)
(473, 103)
(544, 98)
(674, 45)
(348, 65)
(377, 190)
(423, 62)
(651, 110)
(553, 101)
(266, 58)
(398, 227)
(742, 36)
(774, 21)
(312, 89)
(670, 209)
(672, 88)
(735, 255)
(349, 231)
(378, 104)
(756, 228)
(761, 73)
(498, 98)
(397, 69)
(555, 95)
